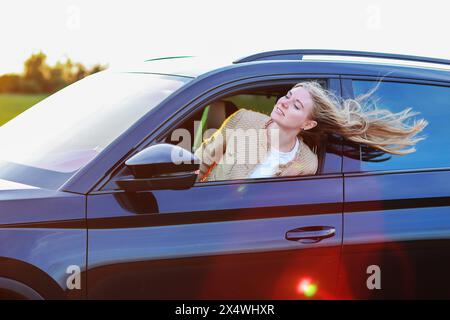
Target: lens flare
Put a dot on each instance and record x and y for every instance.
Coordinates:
(307, 287)
(241, 189)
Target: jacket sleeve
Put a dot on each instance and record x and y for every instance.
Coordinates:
(300, 169)
(211, 151)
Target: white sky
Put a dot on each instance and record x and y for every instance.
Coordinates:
(119, 32)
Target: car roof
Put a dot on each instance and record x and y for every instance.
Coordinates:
(349, 63)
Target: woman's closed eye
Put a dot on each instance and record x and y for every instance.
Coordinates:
(296, 107)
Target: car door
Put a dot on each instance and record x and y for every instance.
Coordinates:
(217, 241)
(396, 212)
(275, 238)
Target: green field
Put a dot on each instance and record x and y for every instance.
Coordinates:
(13, 104)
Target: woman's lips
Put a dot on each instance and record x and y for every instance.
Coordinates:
(279, 111)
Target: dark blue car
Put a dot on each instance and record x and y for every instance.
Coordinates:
(91, 208)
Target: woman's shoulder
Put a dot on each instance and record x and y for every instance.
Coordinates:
(251, 118)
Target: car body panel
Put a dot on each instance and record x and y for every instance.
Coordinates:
(399, 222)
(216, 241)
(42, 234)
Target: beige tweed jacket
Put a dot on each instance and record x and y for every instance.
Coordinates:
(230, 154)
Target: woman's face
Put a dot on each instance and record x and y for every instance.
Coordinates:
(293, 110)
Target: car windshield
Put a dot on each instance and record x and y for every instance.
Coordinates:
(45, 145)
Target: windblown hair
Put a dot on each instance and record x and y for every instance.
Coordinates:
(361, 122)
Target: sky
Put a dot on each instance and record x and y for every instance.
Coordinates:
(123, 32)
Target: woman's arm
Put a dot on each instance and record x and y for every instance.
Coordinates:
(212, 149)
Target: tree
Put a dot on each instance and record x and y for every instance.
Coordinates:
(39, 77)
(34, 70)
(10, 83)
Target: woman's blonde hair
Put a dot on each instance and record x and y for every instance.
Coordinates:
(361, 122)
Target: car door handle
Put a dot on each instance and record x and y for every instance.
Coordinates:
(310, 234)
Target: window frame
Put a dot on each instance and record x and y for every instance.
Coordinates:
(176, 119)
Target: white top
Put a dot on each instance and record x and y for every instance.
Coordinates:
(274, 158)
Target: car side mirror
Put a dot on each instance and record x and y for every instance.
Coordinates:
(161, 166)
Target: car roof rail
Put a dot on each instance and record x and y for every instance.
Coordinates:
(165, 58)
(297, 54)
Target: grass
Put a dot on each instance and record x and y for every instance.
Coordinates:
(13, 104)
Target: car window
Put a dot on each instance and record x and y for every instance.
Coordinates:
(433, 103)
(215, 113)
(208, 120)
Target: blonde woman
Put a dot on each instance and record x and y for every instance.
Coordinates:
(250, 144)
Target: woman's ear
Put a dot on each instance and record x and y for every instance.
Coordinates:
(310, 124)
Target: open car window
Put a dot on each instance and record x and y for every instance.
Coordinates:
(210, 116)
(205, 122)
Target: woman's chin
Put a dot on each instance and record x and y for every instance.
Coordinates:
(276, 116)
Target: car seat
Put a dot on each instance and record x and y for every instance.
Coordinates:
(212, 118)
